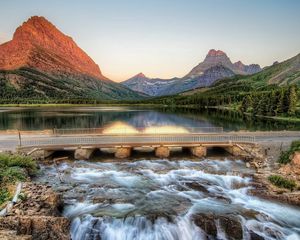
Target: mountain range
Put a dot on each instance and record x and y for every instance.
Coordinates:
(278, 74)
(215, 66)
(42, 62)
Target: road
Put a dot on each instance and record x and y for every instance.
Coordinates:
(10, 142)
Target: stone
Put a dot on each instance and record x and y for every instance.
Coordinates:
(197, 186)
(237, 151)
(296, 159)
(231, 226)
(37, 198)
(286, 169)
(12, 235)
(123, 152)
(39, 227)
(83, 153)
(162, 152)
(198, 151)
(255, 236)
(206, 222)
(47, 153)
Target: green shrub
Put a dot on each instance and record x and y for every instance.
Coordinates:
(22, 196)
(4, 195)
(25, 162)
(285, 156)
(12, 175)
(14, 168)
(280, 181)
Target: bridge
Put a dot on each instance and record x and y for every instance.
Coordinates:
(85, 141)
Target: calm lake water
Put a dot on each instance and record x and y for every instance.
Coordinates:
(102, 117)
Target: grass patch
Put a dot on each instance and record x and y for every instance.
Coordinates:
(4, 195)
(282, 182)
(285, 156)
(14, 168)
(22, 162)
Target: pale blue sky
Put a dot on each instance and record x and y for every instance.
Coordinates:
(166, 38)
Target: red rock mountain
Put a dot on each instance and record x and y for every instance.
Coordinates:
(41, 62)
(38, 44)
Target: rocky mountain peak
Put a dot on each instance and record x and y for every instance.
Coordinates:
(140, 75)
(239, 65)
(38, 30)
(215, 57)
(241, 68)
(214, 53)
(38, 44)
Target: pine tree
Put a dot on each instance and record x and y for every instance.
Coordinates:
(292, 100)
(255, 105)
(280, 102)
(246, 103)
(273, 103)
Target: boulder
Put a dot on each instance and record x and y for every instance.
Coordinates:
(206, 222)
(162, 152)
(229, 224)
(38, 200)
(296, 159)
(123, 152)
(232, 227)
(12, 235)
(39, 227)
(83, 153)
(197, 187)
(255, 236)
(198, 151)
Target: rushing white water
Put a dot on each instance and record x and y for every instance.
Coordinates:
(166, 200)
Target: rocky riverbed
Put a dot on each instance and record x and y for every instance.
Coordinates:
(168, 199)
(36, 215)
(157, 199)
(266, 166)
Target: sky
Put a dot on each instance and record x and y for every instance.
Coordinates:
(166, 38)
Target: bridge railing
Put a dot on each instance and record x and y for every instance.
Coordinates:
(113, 140)
(133, 131)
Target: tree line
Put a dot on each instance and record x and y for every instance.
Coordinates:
(280, 102)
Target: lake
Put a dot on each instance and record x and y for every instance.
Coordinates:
(39, 118)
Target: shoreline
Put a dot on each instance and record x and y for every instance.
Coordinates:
(83, 105)
(149, 105)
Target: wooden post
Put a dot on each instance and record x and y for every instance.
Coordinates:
(20, 139)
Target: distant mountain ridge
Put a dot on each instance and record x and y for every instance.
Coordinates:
(149, 86)
(218, 57)
(216, 65)
(42, 60)
(279, 74)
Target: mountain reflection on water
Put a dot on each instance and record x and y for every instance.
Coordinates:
(40, 118)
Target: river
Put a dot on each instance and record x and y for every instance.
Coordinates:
(167, 199)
